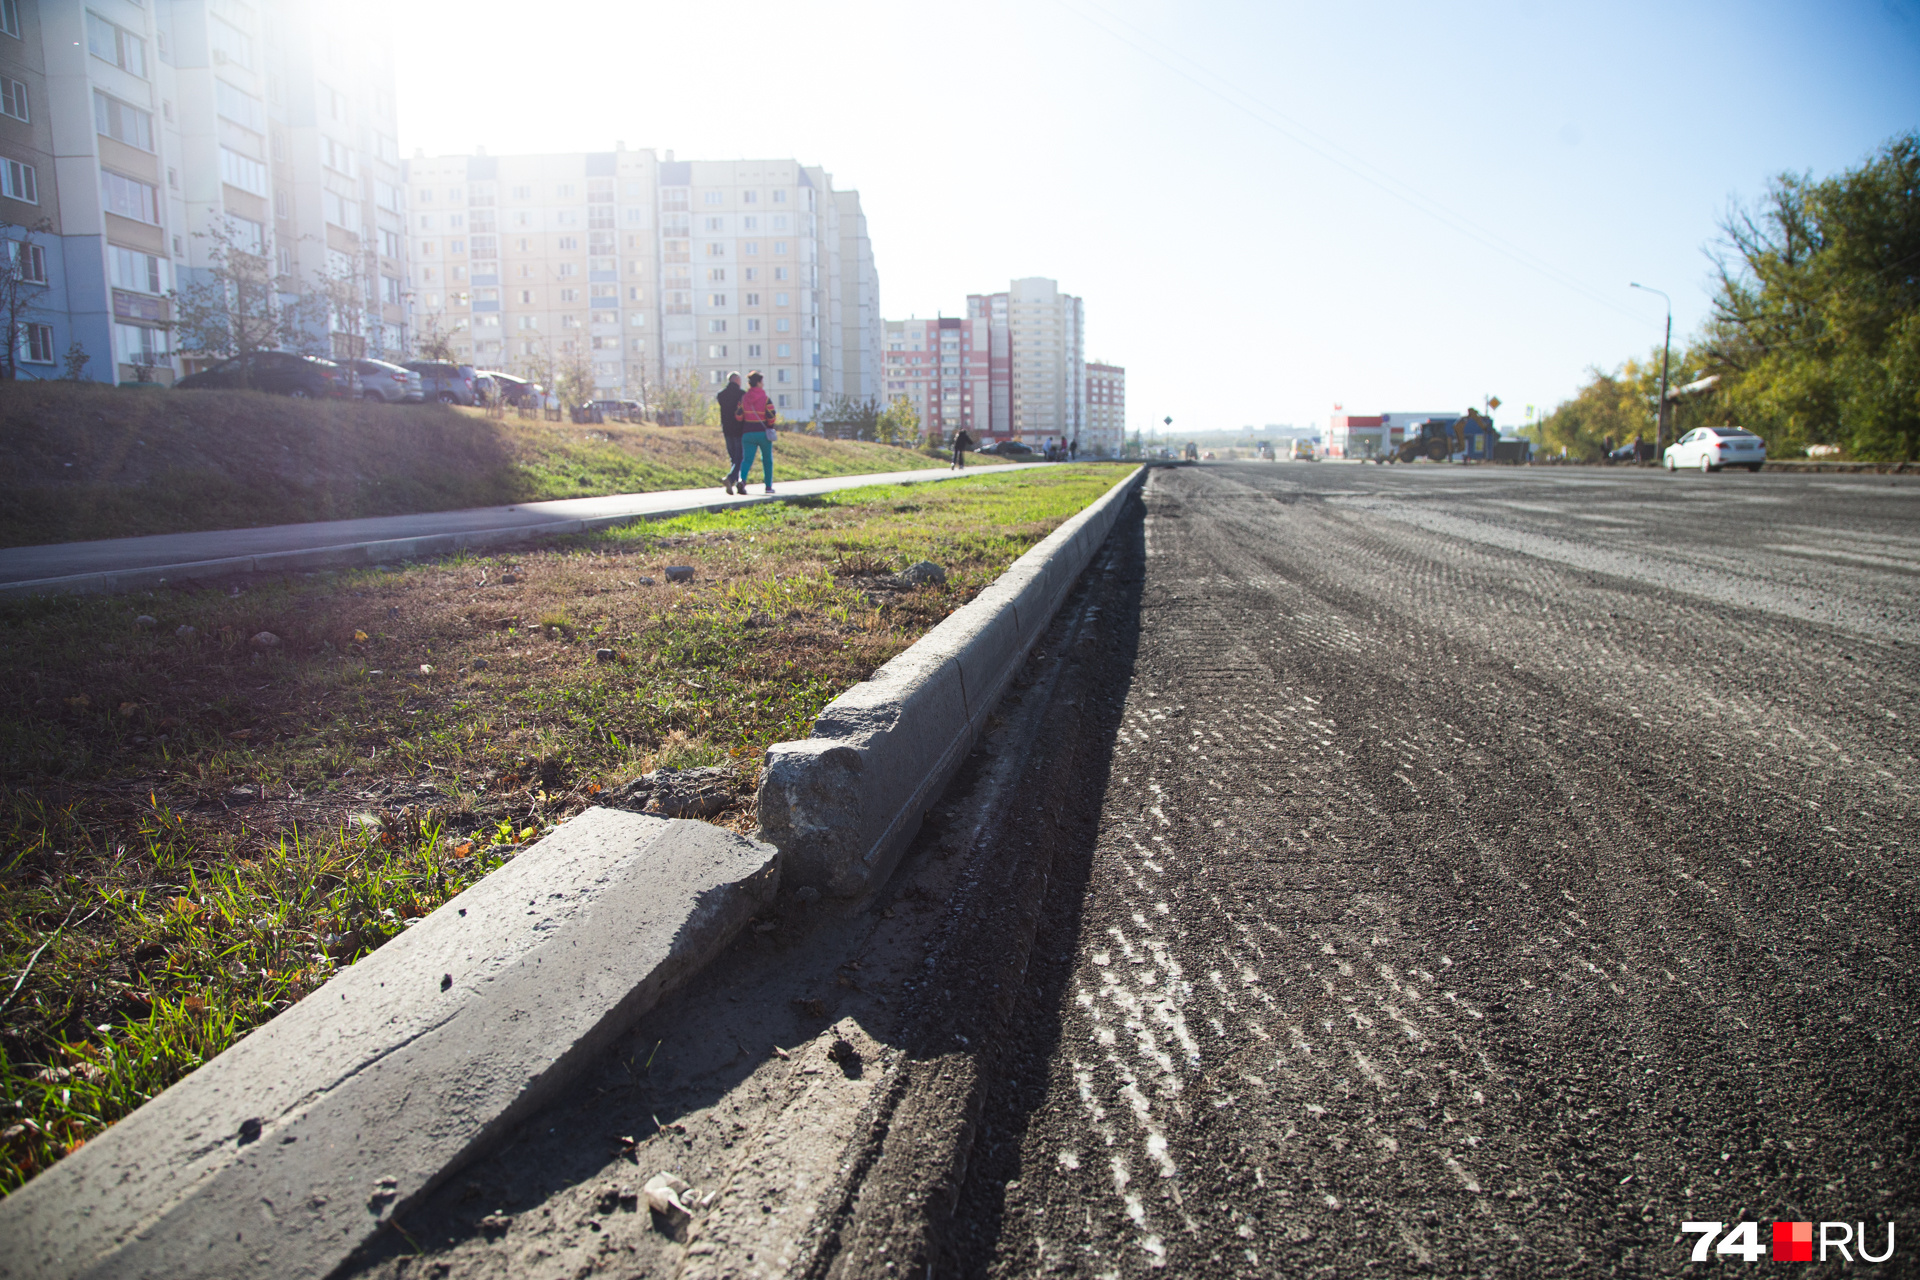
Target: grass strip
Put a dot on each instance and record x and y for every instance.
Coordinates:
(199, 827)
(82, 461)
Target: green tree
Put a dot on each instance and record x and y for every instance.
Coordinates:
(898, 423)
(235, 305)
(1816, 310)
(1618, 405)
(23, 282)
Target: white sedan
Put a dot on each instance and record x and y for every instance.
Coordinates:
(1711, 448)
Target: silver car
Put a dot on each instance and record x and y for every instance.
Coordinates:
(1711, 448)
(389, 382)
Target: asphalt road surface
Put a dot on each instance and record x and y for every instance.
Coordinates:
(1490, 871)
(1377, 871)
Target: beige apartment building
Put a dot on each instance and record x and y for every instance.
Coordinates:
(135, 130)
(649, 270)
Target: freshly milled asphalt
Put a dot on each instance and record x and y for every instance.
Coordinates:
(1380, 871)
(1489, 871)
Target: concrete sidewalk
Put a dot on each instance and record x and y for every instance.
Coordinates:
(123, 564)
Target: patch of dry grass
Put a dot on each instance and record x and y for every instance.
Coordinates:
(196, 830)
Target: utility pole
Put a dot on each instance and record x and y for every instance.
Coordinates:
(1666, 358)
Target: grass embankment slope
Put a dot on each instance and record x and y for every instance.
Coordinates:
(79, 462)
(195, 832)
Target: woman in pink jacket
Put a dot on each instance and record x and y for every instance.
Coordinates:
(756, 415)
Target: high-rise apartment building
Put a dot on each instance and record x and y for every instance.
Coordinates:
(943, 367)
(1036, 362)
(142, 135)
(1106, 429)
(1013, 368)
(648, 271)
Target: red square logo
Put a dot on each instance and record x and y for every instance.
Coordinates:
(1793, 1242)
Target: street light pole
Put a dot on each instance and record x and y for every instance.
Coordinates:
(1666, 357)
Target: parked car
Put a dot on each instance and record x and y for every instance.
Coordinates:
(280, 372)
(617, 410)
(447, 383)
(389, 382)
(517, 392)
(1009, 449)
(1711, 448)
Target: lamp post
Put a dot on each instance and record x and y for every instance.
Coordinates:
(1666, 355)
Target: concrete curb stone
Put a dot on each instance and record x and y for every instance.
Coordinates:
(842, 805)
(306, 1139)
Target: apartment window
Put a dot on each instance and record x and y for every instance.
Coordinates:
(569, 295)
(640, 345)
(36, 343)
(455, 195)
(140, 272)
(636, 215)
(716, 299)
(569, 322)
(782, 399)
(779, 273)
(603, 291)
(779, 197)
(599, 190)
(335, 103)
(753, 273)
(529, 322)
(753, 351)
(716, 224)
(523, 244)
(716, 326)
(783, 375)
(638, 319)
(13, 98)
(388, 148)
(338, 156)
(716, 275)
(486, 246)
(173, 183)
(564, 191)
(600, 217)
(569, 242)
(716, 352)
(239, 106)
(711, 197)
(779, 248)
(10, 17)
(526, 296)
(780, 299)
(716, 250)
(342, 212)
(18, 182)
(753, 324)
(390, 290)
(128, 198)
(29, 261)
(782, 325)
(521, 193)
(569, 269)
(751, 248)
(110, 42)
(453, 246)
(749, 197)
(425, 195)
(230, 44)
(389, 243)
(137, 344)
(386, 196)
(245, 173)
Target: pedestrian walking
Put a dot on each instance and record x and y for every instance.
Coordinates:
(961, 443)
(756, 417)
(731, 429)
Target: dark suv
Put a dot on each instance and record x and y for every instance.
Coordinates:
(447, 383)
(280, 372)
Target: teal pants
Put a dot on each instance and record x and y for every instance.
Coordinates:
(749, 442)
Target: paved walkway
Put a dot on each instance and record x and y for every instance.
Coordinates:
(120, 564)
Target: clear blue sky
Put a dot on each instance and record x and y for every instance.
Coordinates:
(1269, 208)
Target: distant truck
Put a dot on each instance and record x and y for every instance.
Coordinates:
(1302, 451)
(1192, 452)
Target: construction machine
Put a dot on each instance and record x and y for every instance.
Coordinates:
(1441, 438)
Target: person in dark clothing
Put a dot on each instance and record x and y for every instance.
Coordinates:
(731, 429)
(961, 443)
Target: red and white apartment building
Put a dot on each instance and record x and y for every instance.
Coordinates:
(1013, 368)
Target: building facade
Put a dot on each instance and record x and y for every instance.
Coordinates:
(942, 367)
(1105, 433)
(148, 141)
(1014, 368)
(648, 272)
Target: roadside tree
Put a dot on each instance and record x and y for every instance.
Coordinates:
(23, 283)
